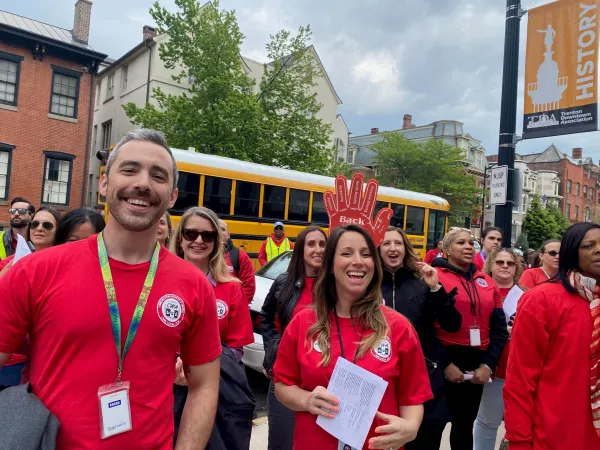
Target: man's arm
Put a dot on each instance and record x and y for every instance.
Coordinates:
(246, 276)
(201, 405)
(262, 254)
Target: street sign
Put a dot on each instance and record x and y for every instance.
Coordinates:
(498, 185)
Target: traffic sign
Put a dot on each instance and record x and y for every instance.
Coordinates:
(498, 185)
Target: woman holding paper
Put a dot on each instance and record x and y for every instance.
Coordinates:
(548, 260)
(504, 268)
(349, 321)
(473, 351)
(551, 390)
(412, 288)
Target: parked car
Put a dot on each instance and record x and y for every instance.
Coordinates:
(254, 353)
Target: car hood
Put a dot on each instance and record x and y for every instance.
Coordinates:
(263, 285)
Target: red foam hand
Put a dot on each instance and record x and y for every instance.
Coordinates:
(346, 208)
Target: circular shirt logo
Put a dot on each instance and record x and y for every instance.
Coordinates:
(383, 351)
(481, 282)
(317, 347)
(171, 310)
(222, 309)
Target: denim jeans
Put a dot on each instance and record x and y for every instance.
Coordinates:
(11, 375)
(489, 418)
(282, 422)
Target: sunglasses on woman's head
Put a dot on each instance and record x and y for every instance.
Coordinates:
(552, 253)
(48, 226)
(189, 234)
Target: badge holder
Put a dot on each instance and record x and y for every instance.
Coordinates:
(475, 336)
(342, 446)
(115, 412)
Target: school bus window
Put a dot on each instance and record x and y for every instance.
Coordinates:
(415, 220)
(298, 207)
(247, 196)
(189, 191)
(217, 194)
(398, 217)
(378, 207)
(319, 214)
(274, 202)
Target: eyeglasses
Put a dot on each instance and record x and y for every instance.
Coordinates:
(21, 211)
(189, 234)
(552, 253)
(500, 263)
(48, 226)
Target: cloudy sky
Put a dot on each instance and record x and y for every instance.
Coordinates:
(433, 59)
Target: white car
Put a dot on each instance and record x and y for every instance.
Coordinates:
(254, 354)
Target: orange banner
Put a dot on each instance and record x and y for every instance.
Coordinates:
(561, 69)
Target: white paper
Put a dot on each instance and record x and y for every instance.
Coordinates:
(468, 376)
(511, 301)
(360, 393)
(22, 249)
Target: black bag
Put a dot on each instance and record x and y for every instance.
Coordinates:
(234, 256)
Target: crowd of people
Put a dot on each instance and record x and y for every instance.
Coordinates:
(131, 334)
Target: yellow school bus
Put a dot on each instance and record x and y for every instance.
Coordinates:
(252, 197)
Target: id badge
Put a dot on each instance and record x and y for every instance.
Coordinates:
(115, 412)
(342, 446)
(475, 335)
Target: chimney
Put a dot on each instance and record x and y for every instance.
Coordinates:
(374, 130)
(577, 153)
(149, 32)
(81, 22)
(407, 121)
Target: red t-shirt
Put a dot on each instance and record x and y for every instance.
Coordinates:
(532, 278)
(235, 323)
(15, 358)
(487, 299)
(58, 297)
(398, 360)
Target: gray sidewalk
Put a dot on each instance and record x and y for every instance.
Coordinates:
(260, 434)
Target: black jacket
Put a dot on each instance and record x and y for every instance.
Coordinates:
(275, 306)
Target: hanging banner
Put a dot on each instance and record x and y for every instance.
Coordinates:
(561, 69)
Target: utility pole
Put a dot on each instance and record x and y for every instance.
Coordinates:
(508, 114)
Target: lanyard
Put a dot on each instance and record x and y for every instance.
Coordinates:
(473, 297)
(339, 332)
(113, 306)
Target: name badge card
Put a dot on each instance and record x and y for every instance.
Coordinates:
(115, 412)
(475, 335)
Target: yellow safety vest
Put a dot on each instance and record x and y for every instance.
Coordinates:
(2, 249)
(273, 250)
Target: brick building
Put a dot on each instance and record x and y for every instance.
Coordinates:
(47, 80)
(579, 181)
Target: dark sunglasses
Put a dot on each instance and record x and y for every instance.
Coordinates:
(500, 263)
(48, 226)
(189, 234)
(552, 253)
(21, 211)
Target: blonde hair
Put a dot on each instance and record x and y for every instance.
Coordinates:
(367, 311)
(216, 264)
(451, 236)
(491, 259)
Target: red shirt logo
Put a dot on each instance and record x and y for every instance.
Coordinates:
(171, 310)
(383, 352)
(222, 309)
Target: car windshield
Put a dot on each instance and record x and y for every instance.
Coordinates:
(276, 266)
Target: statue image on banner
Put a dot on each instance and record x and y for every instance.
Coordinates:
(547, 92)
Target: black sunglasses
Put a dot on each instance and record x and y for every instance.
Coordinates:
(500, 263)
(21, 211)
(48, 226)
(189, 234)
(552, 253)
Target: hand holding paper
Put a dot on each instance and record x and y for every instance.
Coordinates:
(22, 249)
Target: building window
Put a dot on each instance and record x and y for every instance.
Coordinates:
(189, 191)
(106, 134)
(10, 68)
(591, 190)
(274, 202)
(568, 186)
(247, 196)
(110, 86)
(217, 194)
(98, 92)
(576, 212)
(584, 191)
(57, 178)
(350, 158)
(124, 75)
(65, 92)
(568, 211)
(298, 205)
(577, 186)
(5, 160)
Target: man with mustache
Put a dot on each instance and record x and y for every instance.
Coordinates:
(108, 316)
(21, 211)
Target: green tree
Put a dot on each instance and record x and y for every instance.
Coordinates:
(220, 113)
(433, 167)
(522, 242)
(562, 223)
(538, 224)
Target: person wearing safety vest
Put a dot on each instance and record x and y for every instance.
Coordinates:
(274, 245)
(21, 211)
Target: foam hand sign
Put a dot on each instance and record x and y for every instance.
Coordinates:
(346, 208)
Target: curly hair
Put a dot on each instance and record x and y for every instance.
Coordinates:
(491, 259)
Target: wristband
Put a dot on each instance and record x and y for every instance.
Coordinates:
(435, 289)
